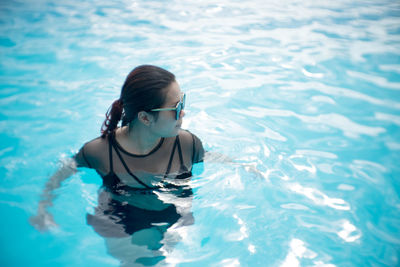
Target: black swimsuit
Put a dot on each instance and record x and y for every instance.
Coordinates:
(113, 218)
(112, 181)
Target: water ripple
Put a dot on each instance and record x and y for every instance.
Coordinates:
(349, 128)
(318, 197)
(303, 95)
(337, 91)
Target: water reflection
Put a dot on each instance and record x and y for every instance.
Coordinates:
(376, 80)
(368, 171)
(350, 128)
(140, 226)
(297, 251)
(241, 234)
(318, 197)
(269, 54)
(349, 232)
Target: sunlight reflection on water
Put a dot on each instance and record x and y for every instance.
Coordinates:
(304, 95)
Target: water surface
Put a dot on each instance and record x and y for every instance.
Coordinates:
(304, 95)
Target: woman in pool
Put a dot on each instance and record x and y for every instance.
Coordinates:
(145, 164)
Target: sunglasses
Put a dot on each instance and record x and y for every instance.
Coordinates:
(178, 108)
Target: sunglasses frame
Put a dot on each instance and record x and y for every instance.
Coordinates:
(178, 108)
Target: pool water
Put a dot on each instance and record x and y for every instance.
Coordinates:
(304, 95)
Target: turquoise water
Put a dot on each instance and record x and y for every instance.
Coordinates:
(304, 94)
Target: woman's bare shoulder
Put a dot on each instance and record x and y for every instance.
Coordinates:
(93, 154)
(186, 137)
(96, 145)
(184, 134)
(192, 144)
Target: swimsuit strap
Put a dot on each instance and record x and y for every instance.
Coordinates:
(110, 154)
(171, 158)
(180, 153)
(127, 169)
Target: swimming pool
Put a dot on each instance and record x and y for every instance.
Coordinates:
(305, 95)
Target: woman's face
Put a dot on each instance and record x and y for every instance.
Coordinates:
(167, 125)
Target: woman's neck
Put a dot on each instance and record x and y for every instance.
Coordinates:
(137, 138)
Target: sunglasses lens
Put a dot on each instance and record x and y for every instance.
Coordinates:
(178, 112)
(181, 105)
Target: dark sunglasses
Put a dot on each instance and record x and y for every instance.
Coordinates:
(178, 108)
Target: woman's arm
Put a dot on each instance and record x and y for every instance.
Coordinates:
(43, 220)
(216, 157)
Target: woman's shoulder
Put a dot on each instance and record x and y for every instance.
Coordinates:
(98, 143)
(185, 136)
(93, 153)
(190, 142)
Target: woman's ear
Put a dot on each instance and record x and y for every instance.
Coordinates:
(145, 118)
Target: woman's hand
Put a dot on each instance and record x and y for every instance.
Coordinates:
(43, 220)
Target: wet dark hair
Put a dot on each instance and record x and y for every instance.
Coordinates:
(143, 90)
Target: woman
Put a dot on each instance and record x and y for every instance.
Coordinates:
(145, 164)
